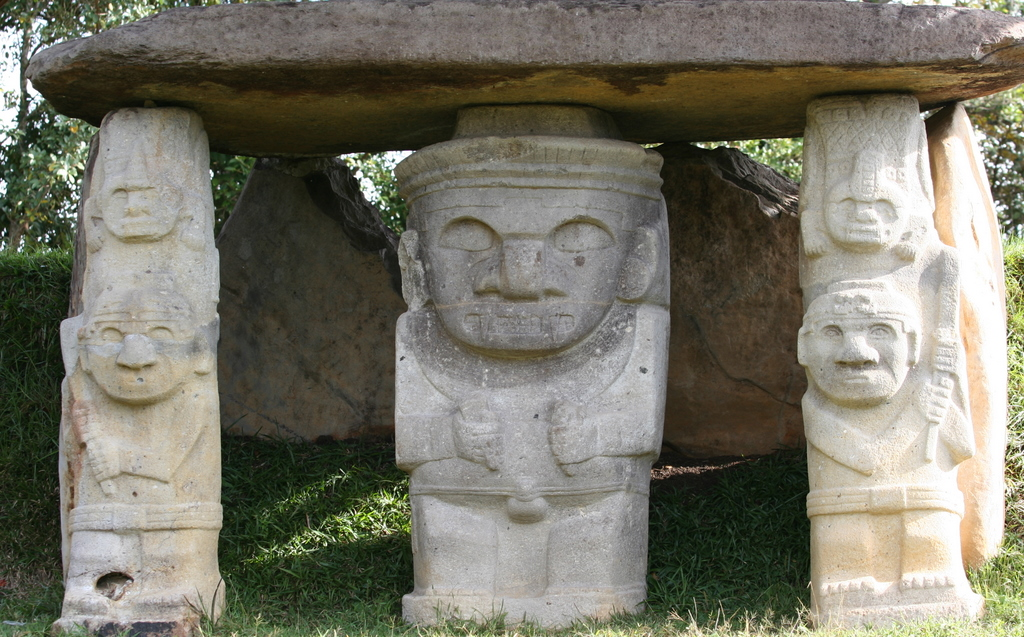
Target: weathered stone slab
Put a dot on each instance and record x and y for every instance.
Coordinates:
(308, 307)
(965, 218)
(734, 384)
(323, 78)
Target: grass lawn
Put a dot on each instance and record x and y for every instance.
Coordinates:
(316, 537)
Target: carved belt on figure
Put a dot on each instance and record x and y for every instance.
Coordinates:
(882, 500)
(521, 494)
(123, 517)
(526, 504)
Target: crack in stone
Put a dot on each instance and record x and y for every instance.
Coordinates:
(707, 347)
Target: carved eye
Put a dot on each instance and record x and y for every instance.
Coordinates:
(168, 195)
(885, 211)
(846, 207)
(160, 333)
(467, 234)
(111, 335)
(577, 236)
(119, 197)
(832, 331)
(881, 330)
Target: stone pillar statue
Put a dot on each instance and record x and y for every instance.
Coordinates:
(531, 365)
(140, 433)
(886, 411)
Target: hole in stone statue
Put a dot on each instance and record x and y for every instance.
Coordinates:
(113, 585)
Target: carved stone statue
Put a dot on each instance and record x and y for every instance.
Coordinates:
(885, 414)
(531, 365)
(140, 435)
(148, 210)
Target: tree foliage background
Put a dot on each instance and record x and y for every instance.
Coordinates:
(42, 153)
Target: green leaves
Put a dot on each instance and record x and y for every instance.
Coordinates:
(42, 153)
(376, 175)
(42, 160)
(998, 120)
(228, 175)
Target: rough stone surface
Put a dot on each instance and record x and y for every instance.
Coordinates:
(886, 411)
(531, 368)
(965, 218)
(323, 78)
(140, 436)
(309, 309)
(734, 384)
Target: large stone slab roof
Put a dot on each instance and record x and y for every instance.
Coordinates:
(323, 78)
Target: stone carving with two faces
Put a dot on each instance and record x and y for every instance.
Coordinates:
(140, 446)
(531, 365)
(886, 412)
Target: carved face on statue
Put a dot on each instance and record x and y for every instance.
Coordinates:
(141, 347)
(151, 177)
(859, 343)
(139, 212)
(868, 211)
(520, 272)
(135, 204)
(523, 242)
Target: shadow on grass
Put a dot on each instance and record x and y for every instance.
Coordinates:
(317, 534)
(310, 529)
(735, 548)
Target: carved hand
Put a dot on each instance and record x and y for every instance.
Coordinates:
(938, 397)
(104, 458)
(477, 433)
(572, 438)
(816, 242)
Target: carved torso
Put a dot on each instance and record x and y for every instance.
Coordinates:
(436, 375)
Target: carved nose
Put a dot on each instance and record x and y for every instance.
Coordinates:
(136, 352)
(866, 212)
(856, 351)
(136, 206)
(522, 269)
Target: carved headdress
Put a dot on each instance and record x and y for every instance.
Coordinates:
(504, 147)
(868, 149)
(535, 148)
(871, 298)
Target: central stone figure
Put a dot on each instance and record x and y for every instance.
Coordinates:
(531, 365)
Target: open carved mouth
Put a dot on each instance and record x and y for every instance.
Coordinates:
(525, 324)
(865, 231)
(860, 370)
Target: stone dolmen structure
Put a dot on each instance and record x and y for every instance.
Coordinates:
(541, 341)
